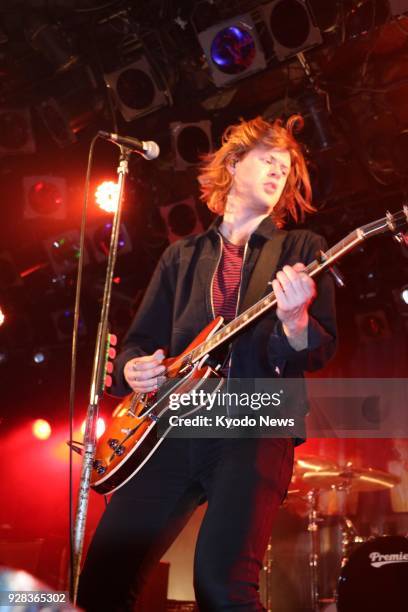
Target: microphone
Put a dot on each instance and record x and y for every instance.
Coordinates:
(149, 149)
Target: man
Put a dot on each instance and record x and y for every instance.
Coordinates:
(256, 178)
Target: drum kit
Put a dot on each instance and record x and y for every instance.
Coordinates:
(370, 572)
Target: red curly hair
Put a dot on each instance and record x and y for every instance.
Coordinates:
(215, 179)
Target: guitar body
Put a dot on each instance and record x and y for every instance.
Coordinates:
(131, 437)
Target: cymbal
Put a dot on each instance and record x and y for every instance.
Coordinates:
(352, 478)
(313, 463)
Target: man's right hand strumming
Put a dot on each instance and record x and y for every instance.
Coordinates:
(144, 374)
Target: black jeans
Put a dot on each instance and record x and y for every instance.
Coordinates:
(244, 481)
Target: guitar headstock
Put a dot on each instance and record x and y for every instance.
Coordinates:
(395, 223)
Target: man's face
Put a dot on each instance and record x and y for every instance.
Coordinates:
(259, 178)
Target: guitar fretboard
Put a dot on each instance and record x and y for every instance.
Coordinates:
(325, 260)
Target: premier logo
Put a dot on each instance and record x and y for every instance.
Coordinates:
(378, 560)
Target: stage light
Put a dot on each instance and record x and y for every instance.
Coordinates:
(181, 219)
(373, 325)
(100, 427)
(318, 118)
(400, 296)
(45, 196)
(75, 104)
(41, 429)
(51, 41)
(100, 236)
(136, 89)
(291, 27)
(2, 317)
(364, 15)
(64, 323)
(9, 276)
(16, 134)
(56, 121)
(106, 196)
(190, 141)
(327, 15)
(39, 357)
(232, 50)
(64, 250)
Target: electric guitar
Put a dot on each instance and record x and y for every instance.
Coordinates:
(131, 437)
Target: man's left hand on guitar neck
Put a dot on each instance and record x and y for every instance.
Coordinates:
(294, 291)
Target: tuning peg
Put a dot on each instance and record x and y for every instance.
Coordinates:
(109, 367)
(338, 276)
(401, 239)
(111, 353)
(333, 269)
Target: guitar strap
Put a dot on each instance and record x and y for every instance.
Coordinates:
(265, 269)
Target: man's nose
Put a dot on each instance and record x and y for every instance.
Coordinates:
(275, 172)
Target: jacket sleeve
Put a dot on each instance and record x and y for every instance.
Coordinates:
(151, 327)
(322, 329)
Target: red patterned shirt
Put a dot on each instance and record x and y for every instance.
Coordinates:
(227, 280)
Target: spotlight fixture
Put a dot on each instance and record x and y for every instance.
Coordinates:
(56, 121)
(41, 429)
(373, 326)
(64, 322)
(76, 103)
(136, 89)
(291, 26)
(362, 16)
(63, 252)
(100, 237)
(40, 356)
(317, 121)
(45, 196)
(51, 41)
(232, 49)
(401, 300)
(16, 134)
(181, 219)
(106, 196)
(190, 141)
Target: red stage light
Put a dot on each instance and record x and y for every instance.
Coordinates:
(2, 317)
(41, 429)
(106, 196)
(100, 427)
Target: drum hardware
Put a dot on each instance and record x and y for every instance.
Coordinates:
(313, 528)
(314, 475)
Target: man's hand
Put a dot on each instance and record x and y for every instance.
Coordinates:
(294, 291)
(144, 374)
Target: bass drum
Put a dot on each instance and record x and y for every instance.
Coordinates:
(375, 577)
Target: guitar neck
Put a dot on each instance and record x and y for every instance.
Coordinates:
(269, 301)
(390, 223)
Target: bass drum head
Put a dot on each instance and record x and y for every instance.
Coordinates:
(375, 578)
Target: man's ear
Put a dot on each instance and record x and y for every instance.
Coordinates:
(231, 166)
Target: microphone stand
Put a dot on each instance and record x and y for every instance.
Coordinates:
(97, 385)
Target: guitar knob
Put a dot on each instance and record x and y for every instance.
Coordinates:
(113, 442)
(119, 450)
(99, 467)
